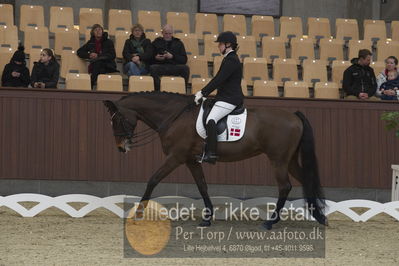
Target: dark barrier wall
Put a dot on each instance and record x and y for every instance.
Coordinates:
(66, 135)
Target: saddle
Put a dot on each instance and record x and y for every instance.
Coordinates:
(229, 128)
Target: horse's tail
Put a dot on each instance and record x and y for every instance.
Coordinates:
(311, 180)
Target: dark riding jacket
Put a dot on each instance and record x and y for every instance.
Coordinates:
(227, 81)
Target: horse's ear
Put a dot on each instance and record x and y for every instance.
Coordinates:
(111, 106)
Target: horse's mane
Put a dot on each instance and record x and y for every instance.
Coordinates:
(158, 93)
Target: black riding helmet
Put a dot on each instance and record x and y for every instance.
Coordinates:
(227, 37)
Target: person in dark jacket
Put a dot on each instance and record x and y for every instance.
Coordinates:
(137, 52)
(392, 83)
(229, 92)
(46, 72)
(15, 73)
(169, 57)
(100, 51)
(359, 80)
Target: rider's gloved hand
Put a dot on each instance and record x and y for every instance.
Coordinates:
(198, 97)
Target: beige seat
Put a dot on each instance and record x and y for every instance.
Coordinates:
(6, 15)
(319, 28)
(217, 61)
(153, 35)
(210, 47)
(173, 84)
(71, 63)
(120, 39)
(290, 27)
(119, 20)
(338, 68)
(61, 18)
(151, 20)
(198, 67)
(331, 49)
(247, 46)
(206, 24)
(296, 89)
(9, 36)
(314, 71)
(198, 84)
(262, 26)
(395, 30)
(30, 17)
(244, 87)
(235, 23)
(284, 70)
(88, 17)
(255, 69)
(34, 57)
(190, 41)
(265, 88)
(67, 39)
(356, 45)
(346, 29)
(141, 83)
(36, 38)
(179, 20)
(77, 81)
(378, 66)
(387, 48)
(106, 82)
(374, 30)
(326, 90)
(302, 49)
(5, 57)
(273, 47)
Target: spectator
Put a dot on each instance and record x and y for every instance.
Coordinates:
(15, 73)
(169, 57)
(46, 72)
(391, 84)
(137, 52)
(390, 66)
(101, 53)
(359, 81)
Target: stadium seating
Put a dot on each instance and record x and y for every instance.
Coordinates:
(290, 27)
(9, 36)
(5, 57)
(374, 30)
(272, 48)
(198, 67)
(235, 23)
(61, 18)
(173, 84)
(77, 81)
(296, 89)
(190, 41)
(119, 20)
(331, 49)
(247, 46)
(356, 45)
(198, 84)
(67, 39)
(179, 20)
(387, 48)
(265, 88)
(30, 17)
(36, 37)
(338, 68)
(106, 82)
(314, 71)
(284, 70)
(88, 17)
(141, 83)
(302, 49)
(346, 29)
(210, 47)
(255, 69)
(6, 15)
(326, 90)
(319, 28)
(70, 62)
(120, 39)
(262, 26)
(151, 20)
(206, 24)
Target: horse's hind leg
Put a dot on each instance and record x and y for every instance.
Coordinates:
(198, 174)
(297, 172)
(284, 188)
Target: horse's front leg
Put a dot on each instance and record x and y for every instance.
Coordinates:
(170, 164)
(198, 174)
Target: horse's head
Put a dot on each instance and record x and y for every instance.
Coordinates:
(123, 123)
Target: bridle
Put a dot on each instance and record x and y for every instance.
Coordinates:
(128, 128)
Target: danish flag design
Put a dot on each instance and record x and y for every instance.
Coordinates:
(235, 132)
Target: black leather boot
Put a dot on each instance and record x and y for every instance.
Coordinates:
(211, 143)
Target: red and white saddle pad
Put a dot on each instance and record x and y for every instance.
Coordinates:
(234, 131)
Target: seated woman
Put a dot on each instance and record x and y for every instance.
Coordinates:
(391, 84)
(390, 66)
(15, 73)
(137, 52)
(46, 72)
(100, 51)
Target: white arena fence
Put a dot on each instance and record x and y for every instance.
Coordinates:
(111, 203)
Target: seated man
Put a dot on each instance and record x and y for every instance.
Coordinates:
(101, 53)
(359, 80)
(169, 57)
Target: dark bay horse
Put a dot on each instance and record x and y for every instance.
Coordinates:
(286, 138)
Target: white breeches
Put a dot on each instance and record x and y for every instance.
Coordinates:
(220, 110)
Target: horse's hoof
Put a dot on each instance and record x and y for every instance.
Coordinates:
(205, 223)
(268, 225)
